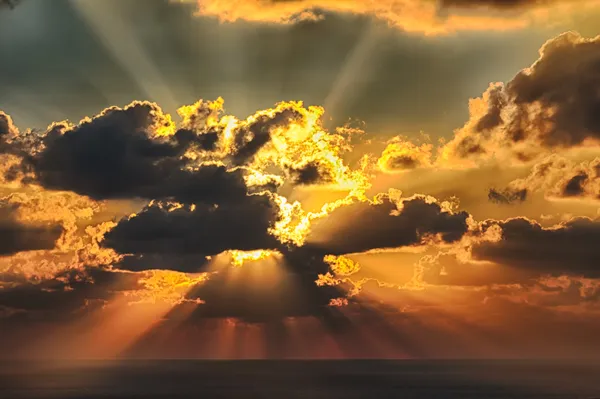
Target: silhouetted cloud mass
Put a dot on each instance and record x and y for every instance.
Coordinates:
(16, 236)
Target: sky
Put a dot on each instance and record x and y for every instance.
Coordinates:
(239, 179)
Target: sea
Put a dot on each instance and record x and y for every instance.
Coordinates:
(290, 379)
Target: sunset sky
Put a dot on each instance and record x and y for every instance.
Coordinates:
(240, 179)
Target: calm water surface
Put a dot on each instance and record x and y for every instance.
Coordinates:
(300, 379)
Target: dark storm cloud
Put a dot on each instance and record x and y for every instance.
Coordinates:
(114, 156)
(17, 237)
(570, 248)
(204, 231)
(386, 224)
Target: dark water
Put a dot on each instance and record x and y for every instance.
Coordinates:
(301, 379)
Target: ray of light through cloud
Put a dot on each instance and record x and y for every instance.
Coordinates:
(121, 42)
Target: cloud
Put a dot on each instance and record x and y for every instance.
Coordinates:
(557, 177)
(389, 222)
(400, 154)
(493, 3)
(200, 230)
(7, 126)
(80, 225)
(501, 253)
(10, 138)
(18, 237)
(549, 106)
(65, 294)
(418, 16)
(564, 249)
(9, 3)
(128, 153)
(75, 295)
(139, 152)
(286, 289)
(507, 196)
(257, 133)
(210, 180)
(311, 173)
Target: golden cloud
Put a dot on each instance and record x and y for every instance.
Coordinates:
(401, 154)
(416, 16)
(547, 107)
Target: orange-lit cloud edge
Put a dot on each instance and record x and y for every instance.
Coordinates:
(428, 17)
(260, 234)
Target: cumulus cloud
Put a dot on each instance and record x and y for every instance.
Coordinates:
(128, 153)
(7, 126)
(556, 177)
(502, 253)
(257, 133)
(389, 222)
(549, 106)
(202, 230)
(139, 152)
(209, 170)
(10, 139)
(515, 251)
(564, 249)
(401, 154)
(210, 182)
(211, 179)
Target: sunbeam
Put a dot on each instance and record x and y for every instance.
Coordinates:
(122, 44)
